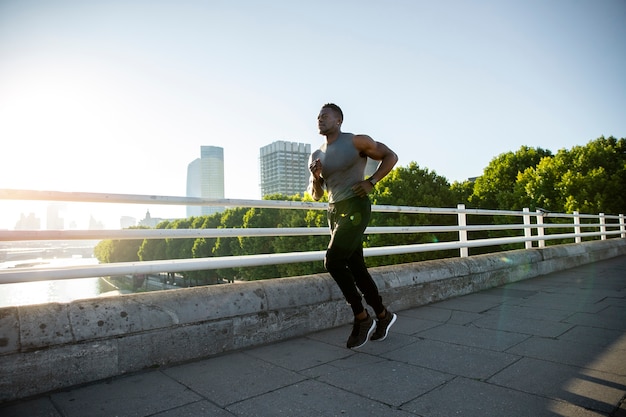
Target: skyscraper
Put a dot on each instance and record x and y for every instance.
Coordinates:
(284, 168)
(205, 179)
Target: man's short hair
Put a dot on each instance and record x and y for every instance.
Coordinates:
(334, 108)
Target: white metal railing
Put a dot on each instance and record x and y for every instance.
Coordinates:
(600, 225)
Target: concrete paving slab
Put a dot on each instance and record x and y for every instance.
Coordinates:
(473, 336)
(534, 285)
(509, 291)
(392, 342)
(137, 395)
(39, 407)
(484, 400)
(507, 311)
(608, 318)
(504, 322)
(356, 360)
(197, 409)
(435, 312)
(472, 303)
(229, 379)
(580, 354)
(598, 391)
(453, 359)
(578, 302)
(389, 382)
(615, 339)
(408, 325)
(313, 399)
(299, 354)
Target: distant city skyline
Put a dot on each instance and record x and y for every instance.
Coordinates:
(285, 170)
(205, 179)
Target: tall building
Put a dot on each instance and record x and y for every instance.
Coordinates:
(54, 221)
(284, 168)
(205, 179)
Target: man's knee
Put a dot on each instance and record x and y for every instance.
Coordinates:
(334, 264)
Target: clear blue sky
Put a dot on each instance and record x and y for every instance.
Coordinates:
(118, 96)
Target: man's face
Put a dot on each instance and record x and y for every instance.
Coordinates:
(327, 121)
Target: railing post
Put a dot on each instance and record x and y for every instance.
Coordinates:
(464, 252)
(602, 226)
(527, 230)
(622, 226)
(540, 229)
(577, 228)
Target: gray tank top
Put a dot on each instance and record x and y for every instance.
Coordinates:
(342, 167)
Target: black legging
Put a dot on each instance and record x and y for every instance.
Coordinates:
(344, 261)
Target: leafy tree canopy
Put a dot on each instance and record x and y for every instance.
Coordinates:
(588, 179)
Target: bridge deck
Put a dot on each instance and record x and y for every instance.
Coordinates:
(550, 346)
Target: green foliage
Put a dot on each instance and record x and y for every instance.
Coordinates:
(588, 179)
(415, 187)
(498, 187)
(462, 191)
(278, 218)
(103, 250)
(125, 250)
(154, 249)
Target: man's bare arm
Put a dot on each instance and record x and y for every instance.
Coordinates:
(316, 182)
(379, 152)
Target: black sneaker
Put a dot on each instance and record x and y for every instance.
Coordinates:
(361, 332)
(383, 325)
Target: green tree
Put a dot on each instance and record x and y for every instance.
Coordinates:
(229, 246)
(462, 191)
(541, 185)
(417, 187)
(126, 250)
(595, 177)
(282, 244)
(588, 179)
(203, 248)
(154, 249)
(497, 188)
(259, 218)
(119, 250)
(179, 248)
(280, 218)
(102, 251)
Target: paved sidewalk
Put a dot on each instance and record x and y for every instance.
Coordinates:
(550, 346)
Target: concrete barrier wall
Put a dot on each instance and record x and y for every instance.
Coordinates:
(51, 346)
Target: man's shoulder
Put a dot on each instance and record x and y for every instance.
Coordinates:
(361, 141)
(361, 136)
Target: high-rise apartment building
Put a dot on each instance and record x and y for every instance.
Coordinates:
(284, 168)
(205, 179)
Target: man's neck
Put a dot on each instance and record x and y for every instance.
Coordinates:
(332, 136)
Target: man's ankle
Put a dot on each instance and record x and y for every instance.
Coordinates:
(362, 315)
